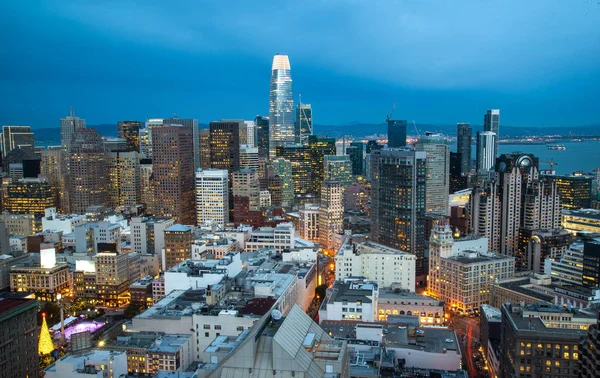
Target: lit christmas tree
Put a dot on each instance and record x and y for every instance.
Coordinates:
(45, 345)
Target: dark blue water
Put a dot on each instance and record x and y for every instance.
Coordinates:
(579, 156)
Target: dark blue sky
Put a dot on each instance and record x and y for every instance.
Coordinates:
(442, 61)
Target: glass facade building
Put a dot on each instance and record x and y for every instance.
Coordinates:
(281, 105)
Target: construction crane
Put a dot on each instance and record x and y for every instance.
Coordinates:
(389, 116)
(416, 129)
(552, 164)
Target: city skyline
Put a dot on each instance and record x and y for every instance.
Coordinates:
(546, 79)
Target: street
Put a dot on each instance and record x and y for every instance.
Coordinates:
(467, 329)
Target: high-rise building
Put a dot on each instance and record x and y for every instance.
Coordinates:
(331, 213)
(575, 190)
(304, 122)
(146, 136)
(16, 137)
(193, 123)
(212, 196)
(147, 197)
(396, 133)
(398, 201)
(19, 352)
(301, 160)
(68, 126)
(590, 353)
(112, 278)
(338, 168)
(52, 169)
(537, 245)
(130, 132)
(173, 170)
(485, 213)
(486, 144)
(284, 170)
(463, 146)
(178, 245)
(123, 182)
(309, 222)
(591, 264)
(319, 148)
(356, 151)
(88, 174)
(225, 144)
(262, 136)
(205, 148)
(248, 157)
(29, 196)
(491, 122)
(246, 194)
(250, 131)
(437, 172)
(373, 145)
(458, 181)
(281, 105)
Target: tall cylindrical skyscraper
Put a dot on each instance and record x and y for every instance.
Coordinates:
(281, 105)
(486, 143)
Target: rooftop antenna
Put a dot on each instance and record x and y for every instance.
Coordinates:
(72, 112)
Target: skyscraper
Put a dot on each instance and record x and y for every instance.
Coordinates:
(301, 161)
(491, 122)
(29, 196)
(248, 157)
(173, 170)
(331, 213)
(130, 132)
(338, 168)
(486, 144)
(16, 137)
(398, 201)
(246, 195)
(463, 146)
(52, 169)
(225, 145)
(212, 196)
(205, 148)
(123, 182)
(484, 210)
(319, 148)
(438, 172)
(250, 127)
(87, 170)
(281, 105)
(262, 136)
(193, 123)
(68, 125)
(304, 122)
(396, 133)
(355, 151)
(147, 197)
(283, 169)
(178, 244)
(20, 334)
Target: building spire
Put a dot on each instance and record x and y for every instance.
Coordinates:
(72, 112)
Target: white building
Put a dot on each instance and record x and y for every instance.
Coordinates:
(65, 223)
(486, 154)
(351, 301)
(309, 222)
(280, 237)
(148, 234)
(97, 363)
(376, 263)
(192, 274)
(460, 272)
(331, 213)
(212, 196)
(265, 198)
(300, 254)
(248, 157)
(250, 133)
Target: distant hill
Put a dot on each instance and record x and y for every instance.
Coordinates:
(51, 136)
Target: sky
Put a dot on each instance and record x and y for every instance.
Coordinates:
(441, 61)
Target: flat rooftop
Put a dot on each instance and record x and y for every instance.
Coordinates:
(535, 324)
(351, 292)
(518, 286)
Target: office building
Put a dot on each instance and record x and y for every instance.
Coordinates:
(29, 196)
(355, 151)
(225, 145)
(281, 105)
(16, 137)
(394, 302)
(396, 133)
(173, 170)
(319, 148)
(338, 168)
(590, 352)
(262, 136)
(490, 325)
(112, 278)
(52, 168)
(88, 173)
(581, 220)
(123, 184)
(309, 222)
(542, 340)
(130, 132)
(591, 264)
(575, 190)
(486, 144)
(350, 301)
(20, 334)
(193, 124)
(463, 146)
(461, 271)
(283, 169)
(68, 126)
(146, 147)
(491, 122)
(204, 148)
(458, 181)
(250, 133)
(535, 246)
(148, 234)
(280, 238)
(43, 278)
(331, 213)
(246, 195)
(484, 210)
(304, 122)
(398, 201)
(376, 263)
(248, 157)
(18, 224)
(147, 187)
(437, 172)
(212, 197)
(356, 198)
(178, 245)
(301, 162)
(104, 363)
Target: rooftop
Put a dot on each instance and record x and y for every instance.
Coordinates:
(352, 292)
(583, 213)
(10, 304)
(522, 322)
(491, 313)
(179, 228)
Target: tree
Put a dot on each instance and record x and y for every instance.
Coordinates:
(321, 291)
(45, 345)
(131, 311)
